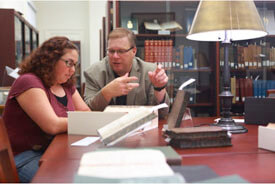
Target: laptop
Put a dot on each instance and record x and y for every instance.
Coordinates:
(87, 123)
(259, 111)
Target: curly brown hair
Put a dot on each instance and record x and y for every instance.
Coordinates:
(42, 60)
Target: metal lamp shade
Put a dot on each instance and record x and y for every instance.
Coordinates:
(222, 20)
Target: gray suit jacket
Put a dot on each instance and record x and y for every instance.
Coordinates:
(99, 74)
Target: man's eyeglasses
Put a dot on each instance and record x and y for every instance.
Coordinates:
(69, 63)
(119, 52)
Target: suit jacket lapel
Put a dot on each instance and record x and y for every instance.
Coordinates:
(132, 94)
(111, 77)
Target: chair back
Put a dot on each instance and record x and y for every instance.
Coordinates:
(8, 172)
(82, 90)
(270, 93)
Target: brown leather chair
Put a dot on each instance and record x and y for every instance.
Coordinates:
(8, 172)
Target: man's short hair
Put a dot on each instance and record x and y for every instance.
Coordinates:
(123, 32)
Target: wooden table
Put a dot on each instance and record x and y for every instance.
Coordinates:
(2, 106)
(3, 89)
(61, 161)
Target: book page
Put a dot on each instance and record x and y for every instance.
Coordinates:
(122, 122)
(186, 83)
(172, 26)
(152, 26)
(129, 108)
(135, 120)
(124, 164)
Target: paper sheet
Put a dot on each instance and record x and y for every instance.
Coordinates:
(12, 72)
(85, 142)
(236, 120)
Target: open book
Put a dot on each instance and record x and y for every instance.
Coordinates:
(124, 126)
(125, 164)
(127, 124)
(130, 108)
(170, 26)
(179, 106)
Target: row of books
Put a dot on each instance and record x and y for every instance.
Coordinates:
(159, 51)
(247, 87)
(170, 85)
(180, 57)
(251, 56)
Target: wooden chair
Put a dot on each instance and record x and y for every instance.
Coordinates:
(270, 93)
(82, 89)
(8, 172)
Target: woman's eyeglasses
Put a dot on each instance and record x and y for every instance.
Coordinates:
(119, 52)
(69, 63)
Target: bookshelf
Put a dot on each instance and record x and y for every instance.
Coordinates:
(206, 64)
(252, 62)
(18, 39)
(168, 49)
(252, 70)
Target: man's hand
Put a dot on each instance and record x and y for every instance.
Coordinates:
(118, 87)
(158, 77)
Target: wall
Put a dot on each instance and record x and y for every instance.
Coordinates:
(98, 9)
(26, 7)
(78, 20)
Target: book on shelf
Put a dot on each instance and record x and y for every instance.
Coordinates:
(122, 127)
(230, 57)
(249, 56)
(126, 166)
(240, 55)
(248, 84)
(188, 59)
(198, 137)
(237, 90)
(159, 51)
(235, 57)
(242, 89)
(233, 88)
(170, 26)
(221, 56)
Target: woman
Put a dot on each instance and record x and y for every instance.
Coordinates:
(38, 101)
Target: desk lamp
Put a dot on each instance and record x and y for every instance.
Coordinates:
(226, 21)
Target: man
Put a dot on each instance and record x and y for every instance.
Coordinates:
(123, 79)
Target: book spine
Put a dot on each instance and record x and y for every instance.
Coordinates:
(198, 135)
(217, 142)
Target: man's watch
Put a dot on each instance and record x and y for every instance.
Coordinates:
(159, 88)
